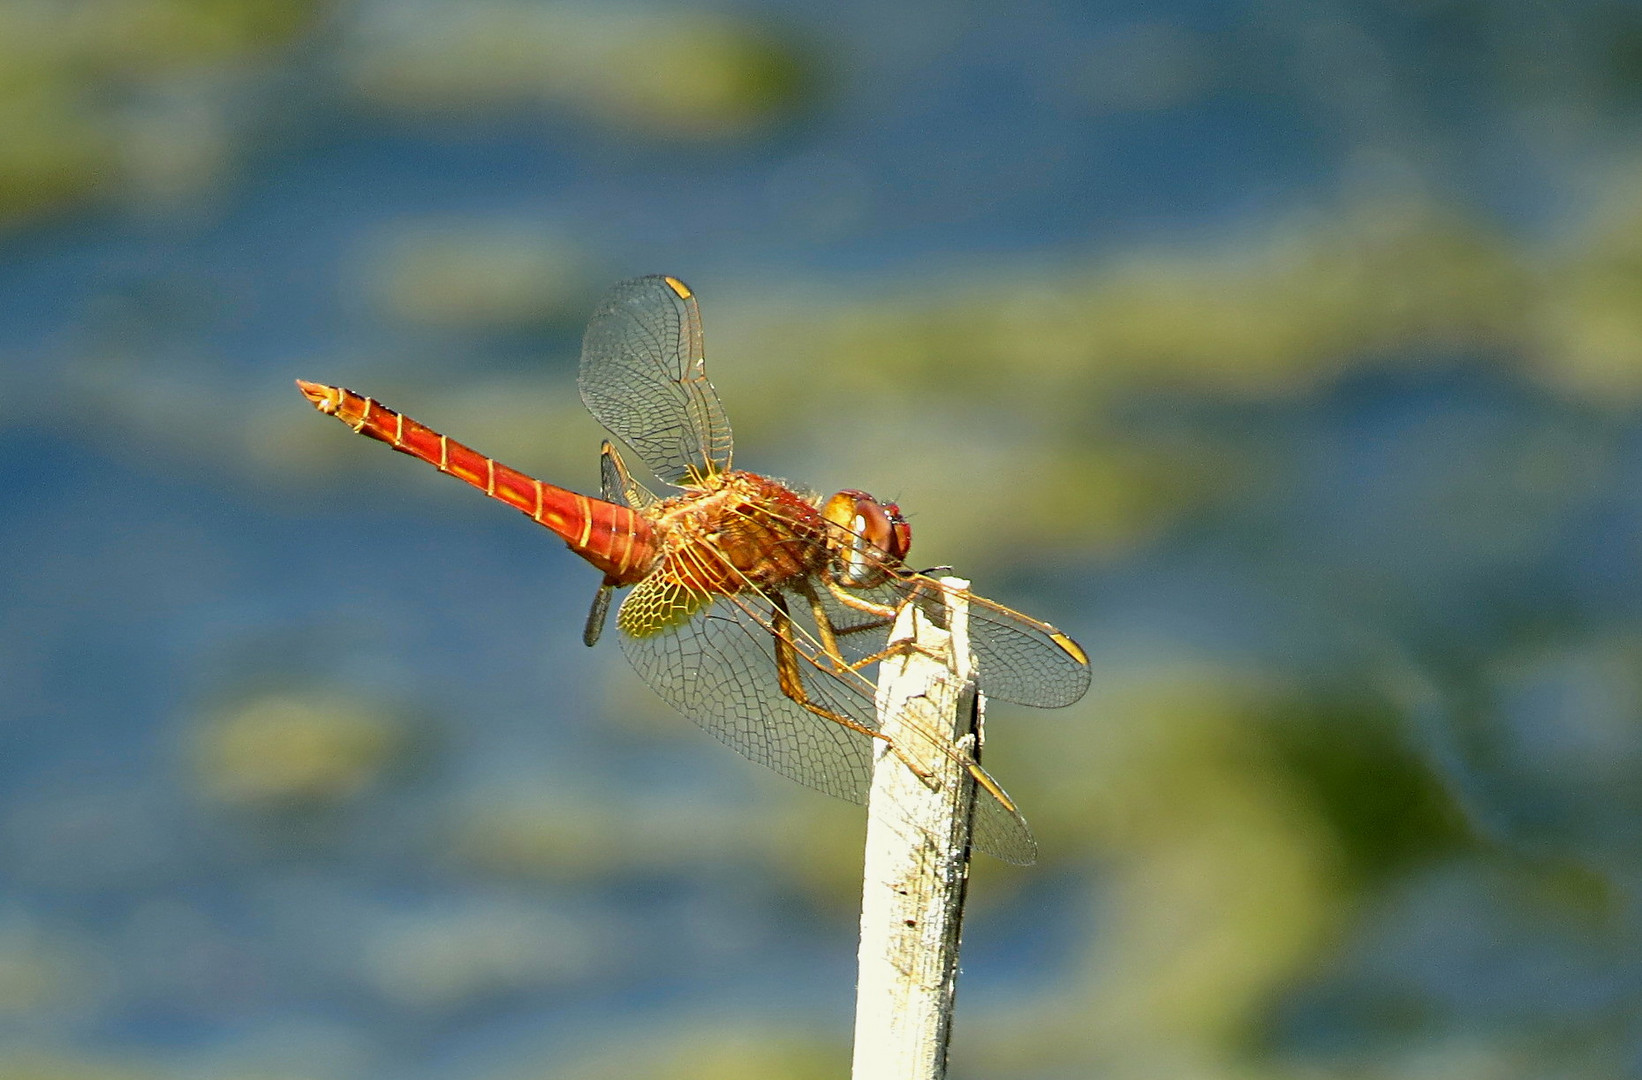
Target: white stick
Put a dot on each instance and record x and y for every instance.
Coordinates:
(917, 861)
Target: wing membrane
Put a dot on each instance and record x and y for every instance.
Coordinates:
(644, 377)
(720, 670)
(1017, 658)
(616, 484)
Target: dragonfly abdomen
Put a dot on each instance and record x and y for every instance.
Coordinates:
(613, 538)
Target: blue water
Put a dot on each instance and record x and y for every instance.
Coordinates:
(1443, 511)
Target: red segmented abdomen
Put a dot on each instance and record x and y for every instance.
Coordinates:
(612, 537)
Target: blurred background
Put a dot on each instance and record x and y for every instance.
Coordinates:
(1288, 354)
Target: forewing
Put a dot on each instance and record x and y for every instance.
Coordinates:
(1017, 658)
(644, 377)
(1023, 660)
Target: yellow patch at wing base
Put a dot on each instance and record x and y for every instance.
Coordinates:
(658, 604)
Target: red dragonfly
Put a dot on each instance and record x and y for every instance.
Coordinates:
(758, 610)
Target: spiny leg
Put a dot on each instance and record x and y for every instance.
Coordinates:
(789, 674)
(894, 648)
(823, 624)
(829, 635)
(886, 612)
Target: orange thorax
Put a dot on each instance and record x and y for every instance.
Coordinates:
(742, 531)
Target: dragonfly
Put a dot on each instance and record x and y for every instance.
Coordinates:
(757, 609)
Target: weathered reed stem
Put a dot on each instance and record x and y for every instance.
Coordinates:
(917, 858)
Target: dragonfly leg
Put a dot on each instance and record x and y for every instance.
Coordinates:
(830, 633)
(829, 637)
(899, 648)
(789, 674)
(823, 626)
(848, 599)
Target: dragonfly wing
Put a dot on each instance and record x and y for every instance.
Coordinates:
(594, 627)
(719, 668)
(616, 484)
(1017, 658)
(644, 377)
(617, 487)
(1023, 660)
(1001, 831)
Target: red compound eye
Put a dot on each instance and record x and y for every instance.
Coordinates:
(900, 532)
(868, 532)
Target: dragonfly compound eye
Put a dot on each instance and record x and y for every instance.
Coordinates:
(866, 533)
(900, 532)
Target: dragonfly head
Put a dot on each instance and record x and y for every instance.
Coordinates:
(866, 534)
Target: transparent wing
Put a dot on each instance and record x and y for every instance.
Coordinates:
(720, 669)
(1017, 658)
(615, 484)
(644, 377)
(596, 615)
(1001, 831)
(617, 487)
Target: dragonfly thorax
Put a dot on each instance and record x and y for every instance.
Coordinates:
(743, 531)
